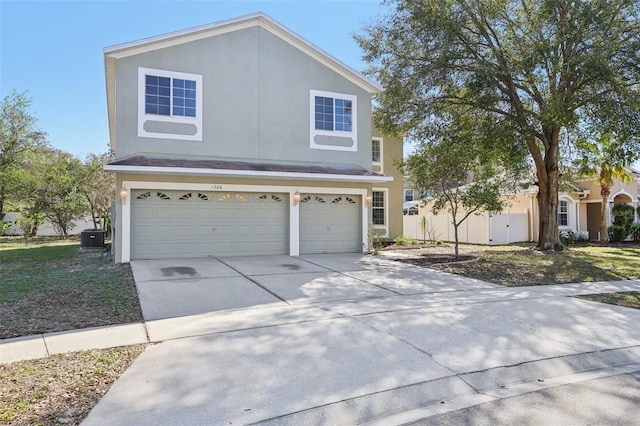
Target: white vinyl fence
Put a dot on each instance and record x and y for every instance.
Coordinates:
(502, 228)
(46, 229)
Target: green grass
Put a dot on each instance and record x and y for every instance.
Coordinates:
(627, 299)
(50, 285)
(519, 266)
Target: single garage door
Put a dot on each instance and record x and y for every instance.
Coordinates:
(330, 224)
(169, 224)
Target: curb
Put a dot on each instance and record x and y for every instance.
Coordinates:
(418, 401)
(44, 345)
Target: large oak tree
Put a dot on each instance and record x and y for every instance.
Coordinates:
(538, 67)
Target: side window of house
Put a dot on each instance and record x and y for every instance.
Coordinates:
(377, 155)
(169, 104)
(378, 208)
(333, 118)
(375, 151)
(563, 213)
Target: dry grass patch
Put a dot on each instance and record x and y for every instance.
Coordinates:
(520, 265)
(61, 389)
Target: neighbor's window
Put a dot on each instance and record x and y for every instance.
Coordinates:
(408, 194)
(170, 96)
(563, 213)
(375, 150)
(377, 207)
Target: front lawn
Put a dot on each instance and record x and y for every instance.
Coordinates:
(50, 285)
(60, 389)
(523, 266)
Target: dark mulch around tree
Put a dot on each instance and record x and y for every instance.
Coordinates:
(436, 259)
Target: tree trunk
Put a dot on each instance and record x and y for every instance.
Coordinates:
(605, 191)
(455, 235)
(548, 186)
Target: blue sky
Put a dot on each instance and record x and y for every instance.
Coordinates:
(54, 49)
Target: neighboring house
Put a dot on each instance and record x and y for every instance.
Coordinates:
(242, 138)
(410, 198)
(578, 211)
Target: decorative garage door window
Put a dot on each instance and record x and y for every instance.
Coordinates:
(268, 198)
(148, 195)
(223, 197)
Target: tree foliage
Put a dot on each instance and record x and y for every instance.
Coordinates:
(98, 186)
(537, 67)
(51, 186)
(464, 173)
(18, 135)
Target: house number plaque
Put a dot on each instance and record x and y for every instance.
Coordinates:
(216, 187)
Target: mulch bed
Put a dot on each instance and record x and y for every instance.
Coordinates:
(435, 259)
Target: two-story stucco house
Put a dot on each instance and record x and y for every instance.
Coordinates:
(242, 138)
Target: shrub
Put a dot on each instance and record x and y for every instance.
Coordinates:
(635, 232)
(402, 240)
(617, 233)
(568, 237)
(623, 216)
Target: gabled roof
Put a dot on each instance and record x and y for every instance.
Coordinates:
(123, 50)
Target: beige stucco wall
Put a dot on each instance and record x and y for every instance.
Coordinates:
(577, 204)
(392, 151)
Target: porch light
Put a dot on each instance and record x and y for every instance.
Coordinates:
(124, 192)
(368, 200)
(295, 199)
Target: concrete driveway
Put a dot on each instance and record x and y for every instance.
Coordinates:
(352, 339)
(178, 287)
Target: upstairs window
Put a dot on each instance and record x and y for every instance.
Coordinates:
(333, 121)
(170, 96)
(333, 114)
(169, 104)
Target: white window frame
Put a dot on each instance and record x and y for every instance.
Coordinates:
(571, 213)
(353, 134)
(378, 163)
(384, 227)
(144, 117)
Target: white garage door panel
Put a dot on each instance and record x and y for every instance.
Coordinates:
(330, 224)
(198, 224)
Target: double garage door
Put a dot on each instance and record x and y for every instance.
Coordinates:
(175, 224)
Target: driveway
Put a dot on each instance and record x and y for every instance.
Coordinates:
(349, 339)
(178, 287)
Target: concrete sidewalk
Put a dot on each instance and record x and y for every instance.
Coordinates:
(404, 341)
(368, 360)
